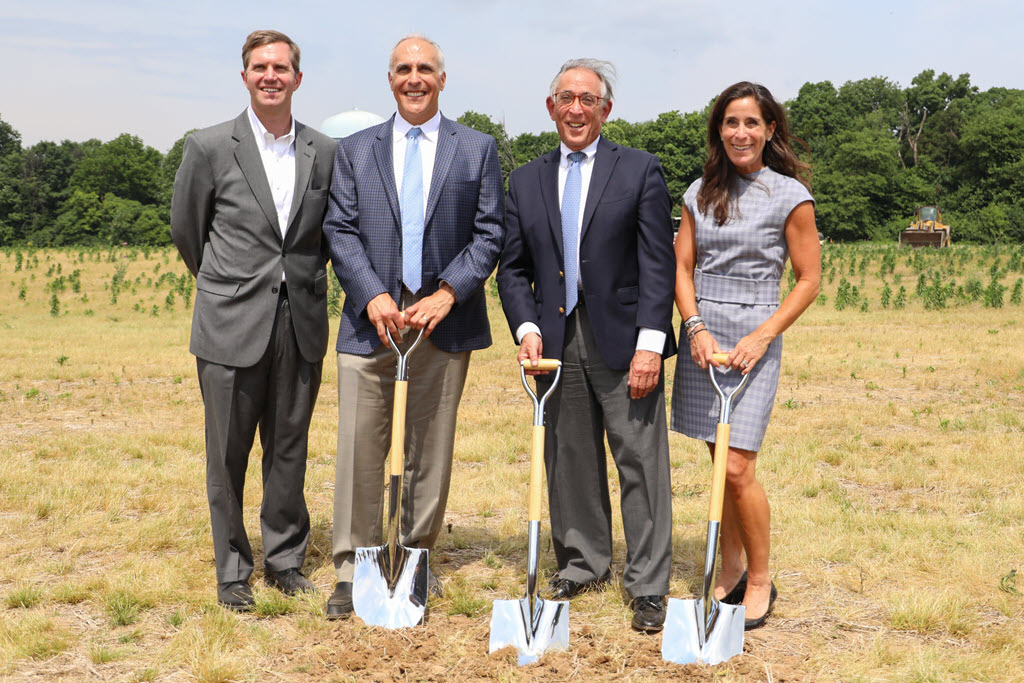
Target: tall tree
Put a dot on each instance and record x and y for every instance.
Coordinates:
(124, 167)
(484, 124)
(10, 139)
(817, 114)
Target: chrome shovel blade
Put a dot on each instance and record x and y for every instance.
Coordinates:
(547, 631)
(390, 597)
(688, 639)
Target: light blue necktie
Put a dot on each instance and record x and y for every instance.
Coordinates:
(412, 213)
(570, 219)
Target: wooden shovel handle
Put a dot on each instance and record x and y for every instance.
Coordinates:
(718, 475)
(721, 357)
(547, 364)
(536, 472)
(398, 429)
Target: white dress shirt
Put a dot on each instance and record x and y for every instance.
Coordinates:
(429, 132)
(648, 339)
(278, 155)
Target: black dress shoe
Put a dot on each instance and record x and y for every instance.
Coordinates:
(563, 589)
(649, 613)
(735, 596)
(235, 595)
(289, 581)
(434, 586)
(751, 624)
(339, 605)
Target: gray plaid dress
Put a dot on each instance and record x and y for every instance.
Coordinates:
(737, 274)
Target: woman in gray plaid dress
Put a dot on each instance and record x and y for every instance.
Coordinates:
(747, 214)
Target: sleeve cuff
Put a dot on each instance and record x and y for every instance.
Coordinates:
(649, 339)
(526, 328)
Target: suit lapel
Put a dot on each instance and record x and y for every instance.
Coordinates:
(383, 152)
(604, 164)
(549, 195)
(447, 143)
(249, 161)
(305, 155)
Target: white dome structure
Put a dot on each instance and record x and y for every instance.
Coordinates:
(348, 122)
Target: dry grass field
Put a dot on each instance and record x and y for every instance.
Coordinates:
(894, 465)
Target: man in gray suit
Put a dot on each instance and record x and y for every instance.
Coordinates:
(414, 226)
(249, 202)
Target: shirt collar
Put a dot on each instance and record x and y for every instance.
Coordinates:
(590, 150)
(428, 130)
(261, 133)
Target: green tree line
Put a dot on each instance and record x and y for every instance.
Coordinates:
(877, 150)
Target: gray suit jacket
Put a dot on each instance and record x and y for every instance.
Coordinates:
(224, 223)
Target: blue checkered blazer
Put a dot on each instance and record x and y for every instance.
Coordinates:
(463, 231)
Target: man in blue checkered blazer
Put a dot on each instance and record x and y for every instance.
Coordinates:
(415, 224)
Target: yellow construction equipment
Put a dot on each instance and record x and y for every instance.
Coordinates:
(926, 230)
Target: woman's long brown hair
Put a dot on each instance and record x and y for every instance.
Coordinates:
(716, 192)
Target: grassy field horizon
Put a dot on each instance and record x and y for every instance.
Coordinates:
(892, 463)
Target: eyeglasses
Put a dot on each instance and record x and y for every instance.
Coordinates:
(566, 98)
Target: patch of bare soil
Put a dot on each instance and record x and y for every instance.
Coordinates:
(371, 654)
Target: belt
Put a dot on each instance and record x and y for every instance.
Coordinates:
(735, 290)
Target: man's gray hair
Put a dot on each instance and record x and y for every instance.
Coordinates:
(416, 36)
(605, 72)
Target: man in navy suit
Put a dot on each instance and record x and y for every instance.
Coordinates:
(587, 275)
(415, 225)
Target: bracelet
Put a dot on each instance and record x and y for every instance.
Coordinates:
(692, 322)
(691, 333)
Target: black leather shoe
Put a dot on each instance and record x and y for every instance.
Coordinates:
(751, 624)
(563, 589)
(735, 596)
(235, 595)
(289, 582)
(339, 605)
(649, 613)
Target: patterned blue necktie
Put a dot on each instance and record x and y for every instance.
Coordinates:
(570, 219)
(412, 213)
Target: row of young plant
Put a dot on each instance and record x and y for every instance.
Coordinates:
(956, 276)
(986, 276)
(178, 284)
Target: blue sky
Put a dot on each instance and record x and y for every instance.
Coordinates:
(97, 69)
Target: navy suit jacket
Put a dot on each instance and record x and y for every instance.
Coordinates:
(463, 231)
(627, 262)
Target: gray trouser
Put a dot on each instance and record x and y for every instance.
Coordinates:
(590, 400)
(366, 389)
(277, 395)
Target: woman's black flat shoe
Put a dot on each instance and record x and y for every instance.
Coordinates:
(751, 624)
(735, 596)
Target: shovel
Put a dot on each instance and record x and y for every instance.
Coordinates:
(389, 584)
(532, 625)
(706, 630)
